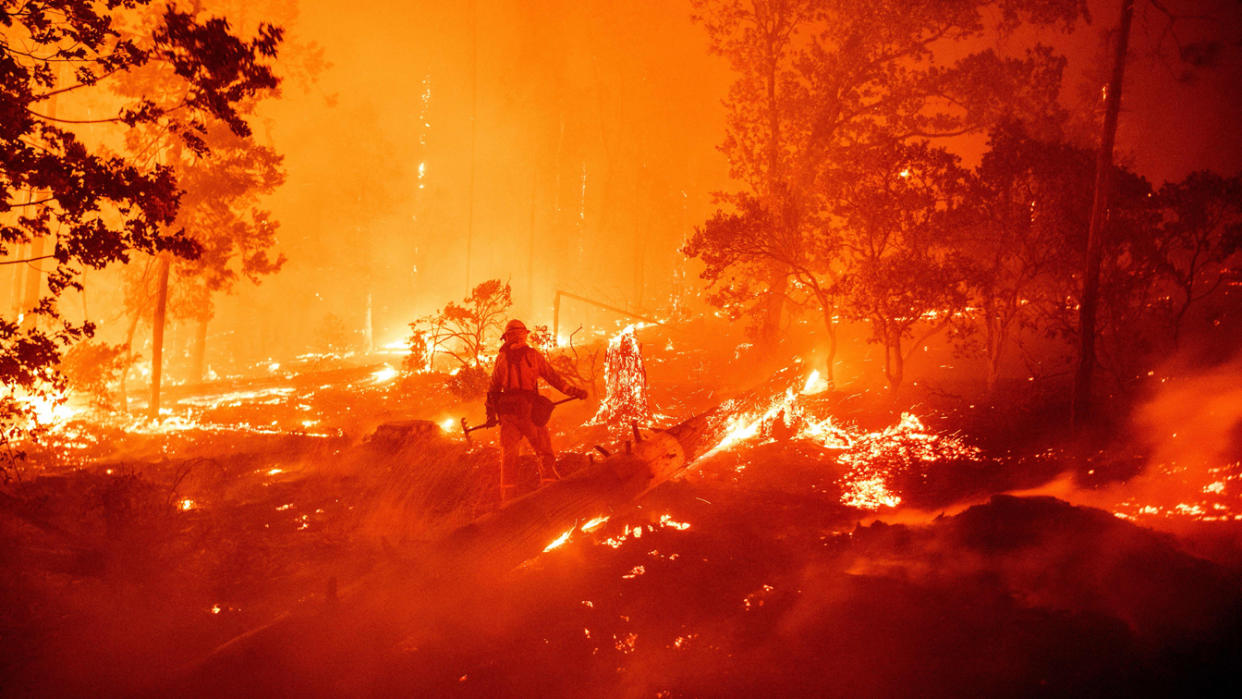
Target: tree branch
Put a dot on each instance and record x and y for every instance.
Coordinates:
(32, 259)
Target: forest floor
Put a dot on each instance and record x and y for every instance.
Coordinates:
(269, 537)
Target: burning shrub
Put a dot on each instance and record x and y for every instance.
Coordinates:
(91, 367)
(460, 330)
(469, 382)
(419, 358)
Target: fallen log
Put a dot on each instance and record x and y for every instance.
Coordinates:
(503, 540)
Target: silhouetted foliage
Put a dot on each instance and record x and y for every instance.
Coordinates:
(463, 330)
(92, 367)
(99, 207)
(819, 80)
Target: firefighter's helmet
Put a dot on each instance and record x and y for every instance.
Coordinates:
(514, 326)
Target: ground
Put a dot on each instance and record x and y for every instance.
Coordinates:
(271, 539)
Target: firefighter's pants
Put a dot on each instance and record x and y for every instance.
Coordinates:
(513, 428)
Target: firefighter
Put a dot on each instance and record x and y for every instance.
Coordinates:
(514, 398)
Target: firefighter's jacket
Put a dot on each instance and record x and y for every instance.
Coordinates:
(519, 368)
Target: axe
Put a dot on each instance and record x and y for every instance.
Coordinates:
(466, 430)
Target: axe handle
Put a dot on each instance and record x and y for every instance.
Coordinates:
(466, 429)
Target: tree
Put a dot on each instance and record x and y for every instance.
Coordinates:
(1030, 199)
(222, 180)
(903, 270)
(97, 207)
(819, 80)
(471, 324)
(1200, 231)
(736, 248)
(1081, 405)
(221, 212)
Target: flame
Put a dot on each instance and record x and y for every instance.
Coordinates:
(814, 384)
(559, 541)
(872, 459)
(594, 524)
(186, 504)
(385, 374)
(625, 383)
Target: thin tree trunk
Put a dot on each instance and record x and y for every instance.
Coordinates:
(1080, 409)
(830, 325)
(129, 359)
(86, 316)
(530, 253)
(774, 305)
(369, 327)
(34, 283)
(15, 292)
(474, 113)
(895, 367)
(157, 335)
(198, 360)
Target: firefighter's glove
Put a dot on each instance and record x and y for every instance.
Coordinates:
(491, 415)
(576, 392)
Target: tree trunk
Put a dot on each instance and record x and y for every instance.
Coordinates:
(129, 360)
(898, 373)
(157, 336)
(474, 114)
(830, 325)
(1080, 408)
(34, 282)
(995, 342)
(368, 330)
(15, 296)
(774, 304)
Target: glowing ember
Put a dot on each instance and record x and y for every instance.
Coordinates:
(668, 521)
(625, 384)
(814, 384)
(185, 504)
(1176, 492)
(593, 524)
(872, 459)
(385, 374)
(560, 540)
(869, 494)
(447, 424)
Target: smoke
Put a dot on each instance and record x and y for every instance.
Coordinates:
(1194, 421)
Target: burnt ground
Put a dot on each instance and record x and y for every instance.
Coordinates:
(301, 559)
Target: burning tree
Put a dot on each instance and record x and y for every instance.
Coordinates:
(99, 208)
(1029, 201)
(818, 82)
(904, 272)
(625, 385)
(461, 331)
(1200, 233)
